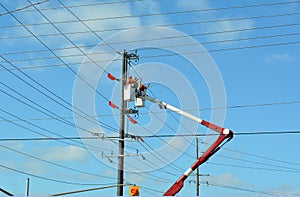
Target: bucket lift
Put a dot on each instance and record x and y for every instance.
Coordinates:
(136, 92)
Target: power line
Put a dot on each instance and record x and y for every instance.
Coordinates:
(165, 55)
(211, 33)
(85, 5)
(55, 164)
(169, 37)
(212, 134)
(181, 12)
(47, 130)
(253, 168)
(23, 8)
(159, 112)
(262, 157)
(51, 179)
(47, 113)
(159, 136)
(87, 190)
(169, 46)
(240, 188)
(33, 34)
(47, 89)
(81, 21)
(260, 163)
(177, 37)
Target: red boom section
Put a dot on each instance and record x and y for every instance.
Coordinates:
(176, 187)
(212, 126)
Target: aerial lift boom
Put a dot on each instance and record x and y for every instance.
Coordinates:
(220, 141)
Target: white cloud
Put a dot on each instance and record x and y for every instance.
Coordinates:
(216, 26)
(148, 7)
(183, 4)
(227, 25)
(137, 177)
(279, 57)
(68, 153)
(284, 190)
(14, 145)
(225, 179)
(34, 167)
(81, 39)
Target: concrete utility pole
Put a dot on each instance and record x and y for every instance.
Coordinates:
(123, 105)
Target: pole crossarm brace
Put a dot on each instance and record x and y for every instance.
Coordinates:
(225, 134)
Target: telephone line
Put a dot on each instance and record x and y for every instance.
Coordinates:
(51, 179)
(44, 129)
(82, 22)
(161, 38)
(40, 83)
(55, 164)
(253, 168)
(49, 113)
(43, 93)
(165, 136)
(56, 118)
(176, 37)
(180, 12)
(159, 112)
(260, 163)
(23, 8)
(166, 46)
(262, 157)
(238, 188)
(83, 5)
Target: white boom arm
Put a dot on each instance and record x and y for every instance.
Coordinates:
(187, 115)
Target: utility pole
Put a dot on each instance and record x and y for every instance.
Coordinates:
(197, 182)
(27, 187)
(197, 171)
(123, 105)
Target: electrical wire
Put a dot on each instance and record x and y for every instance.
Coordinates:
(48, 90)
(166, 37)
(47, 113)
(170, 54)
(51, 179)
(159, 112)
(103, 124)
(73, 14)
(47, 46)
(33, 34)
(153, 190)
(259, 163)
(60, 139)
(23, 8)
(154, 164)
(182, 12)
(56, 164)
(240, 189)
(167, 136)
(252, 167)
(261, 157)
(164, 47)
(85, 5)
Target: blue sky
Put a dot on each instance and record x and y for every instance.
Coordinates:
(253, 65)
